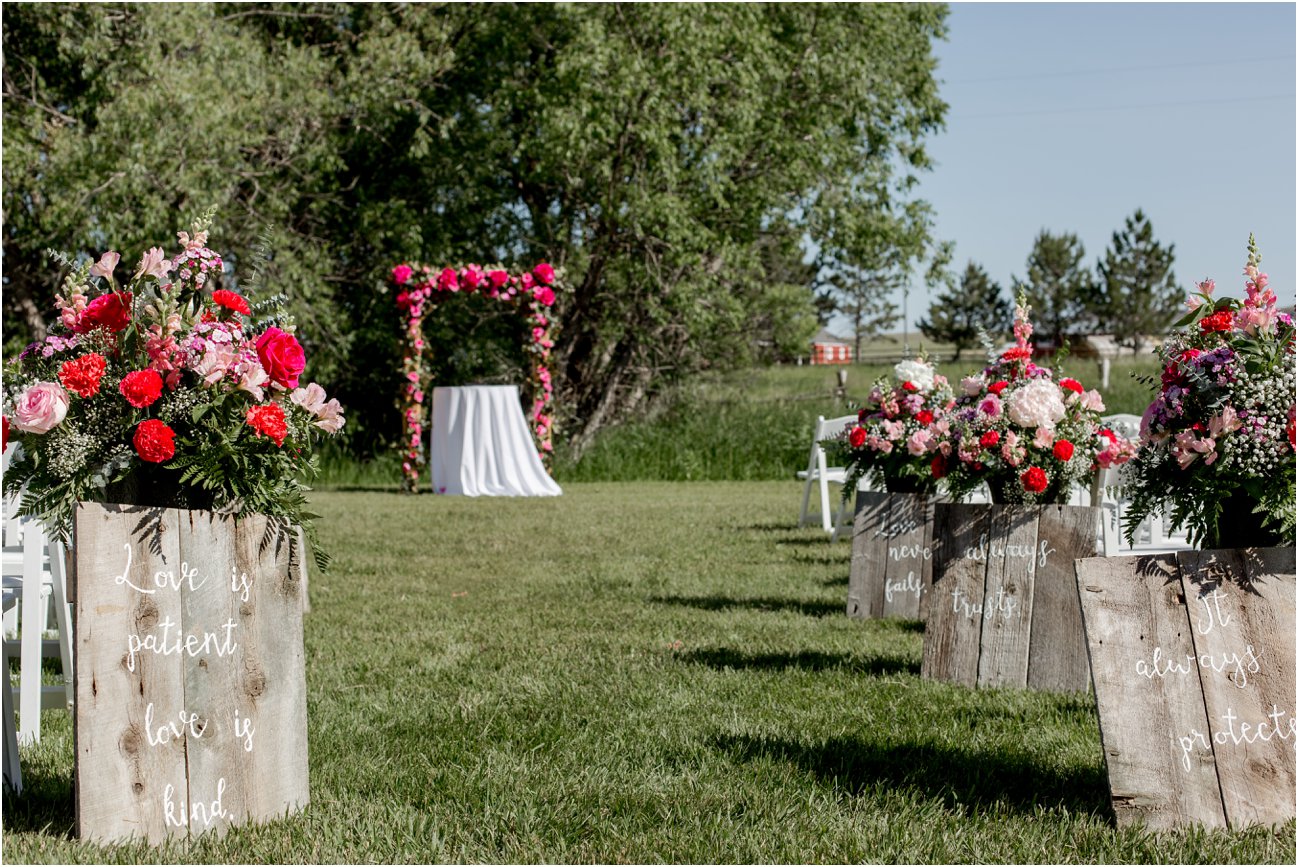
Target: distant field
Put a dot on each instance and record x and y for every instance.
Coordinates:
(756, 424)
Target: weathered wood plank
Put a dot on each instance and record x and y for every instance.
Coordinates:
(1147, 692)
(951, 636)
(1010, 553)
(130, 764)
(1242, 611)
(908, 567)
(272, 673)
(1057, 658)
(869, 550)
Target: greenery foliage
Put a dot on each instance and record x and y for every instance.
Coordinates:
(962, 314)
(1059, 288)
(662, 155)
(1138, 295)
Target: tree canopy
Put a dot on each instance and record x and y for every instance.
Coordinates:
(674, 160)
(1060, 289)
(1138, 293)
(961, 313)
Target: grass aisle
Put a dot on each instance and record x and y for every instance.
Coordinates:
(649, 672)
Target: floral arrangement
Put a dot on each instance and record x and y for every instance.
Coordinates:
(164, 391)
(897, 429)
(1029, 437)
(419, 287)
(1218, 440)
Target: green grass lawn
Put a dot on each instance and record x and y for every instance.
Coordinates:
(640, 673)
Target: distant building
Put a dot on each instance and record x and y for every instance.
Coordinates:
(826, 348)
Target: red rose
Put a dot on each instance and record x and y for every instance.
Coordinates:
(281, 356)
(1034, 480)
(1219, 321)
(1063, 450)
(268, 419)
(856, 437)
(111, 311)
(141, 387)
(82, 375)
(997, 387)
(910, 386)
(154, 441)
(938, 467)
(989, 439)
(232, 301)
(544, 273)
(924, 417)
(1071, 384)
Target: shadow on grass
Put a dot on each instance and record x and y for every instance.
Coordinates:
(760, 603)
(45, 806)
(953, 775)
(806, 660)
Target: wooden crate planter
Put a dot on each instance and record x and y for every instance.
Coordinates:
(892, 566)
(1193, 658)
(190, 673)
(1003, 608)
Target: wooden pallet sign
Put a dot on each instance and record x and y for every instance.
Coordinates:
(1193, 658)
(190, 674)
(1003, 609)
(892, 564)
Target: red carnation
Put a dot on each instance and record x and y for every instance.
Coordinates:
(910, 386)
(82, 375)
(268, 419)
(232, 301)
(1034, 480)
(989, 439)
(938, 467)
(1219, 321)
(856, 437)
(1063, 450)
(997, 387)
(924, 417)
(1071, 384)
(141, 387)
(1017, 353)
(111, 311)
(154, 441)
(281, 356)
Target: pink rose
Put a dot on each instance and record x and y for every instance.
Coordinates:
(401, 274)
(448, 281)
(544, 273)
(41, 408)
(281, 357)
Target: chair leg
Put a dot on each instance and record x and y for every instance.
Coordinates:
(63, 617)
(31, 621)
(13, 773)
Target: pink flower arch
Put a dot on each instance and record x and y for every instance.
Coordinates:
(419, 289)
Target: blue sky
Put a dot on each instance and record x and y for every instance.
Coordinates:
(1068, 117)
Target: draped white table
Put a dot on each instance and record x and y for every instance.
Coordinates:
(480, 445)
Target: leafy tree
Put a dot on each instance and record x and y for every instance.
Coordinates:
(959, 314)
(1059, 289)
(864, 296)
(1138, 293)
(671, 160)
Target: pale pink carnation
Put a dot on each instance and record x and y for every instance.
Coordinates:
(1044, 438)
(919, 443)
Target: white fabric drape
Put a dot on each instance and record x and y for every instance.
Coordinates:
(480, 445)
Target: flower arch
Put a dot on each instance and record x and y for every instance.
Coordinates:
(419, 289)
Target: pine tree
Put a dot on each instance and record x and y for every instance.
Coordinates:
(977, 304)
(1138, 293)
(1060, 290)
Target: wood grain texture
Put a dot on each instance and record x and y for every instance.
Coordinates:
(1242, 612)
(123, 783)
(869, 551)
(891, 555)
(953, 631)
(1007, 598)
(1147, 692)
(1057, 658)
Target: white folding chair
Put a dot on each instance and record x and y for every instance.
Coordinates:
(13, 772)
(819, 474)
(34, 576)
(1152, 535)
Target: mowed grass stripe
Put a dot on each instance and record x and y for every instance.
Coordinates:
(640, 673)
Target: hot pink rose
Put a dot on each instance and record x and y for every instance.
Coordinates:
(471, 276)
(448, 280)
(498, 278)
(401, 274)
(41, 408)
(544, 295)
(544, 273)
(281, 356)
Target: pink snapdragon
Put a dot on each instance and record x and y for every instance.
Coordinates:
(1226, 422)
(1187, 447)
(104, 267)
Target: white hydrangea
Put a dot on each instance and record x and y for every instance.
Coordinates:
(913, 370)
(1039, 403)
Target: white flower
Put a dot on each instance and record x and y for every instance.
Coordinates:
(915, 371)
(1039, 403)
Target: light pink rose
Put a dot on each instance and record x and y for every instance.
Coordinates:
(919, 442)
(41, 408)
(104, 267)
(972, 385)
(990, 406)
